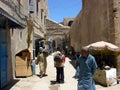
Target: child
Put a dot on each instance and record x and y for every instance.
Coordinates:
(33, 66)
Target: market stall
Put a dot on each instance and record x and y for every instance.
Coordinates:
(105, 54)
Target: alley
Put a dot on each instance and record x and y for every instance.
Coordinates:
(28, 25)
(36, 83)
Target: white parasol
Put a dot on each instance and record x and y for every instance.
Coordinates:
(105, 47)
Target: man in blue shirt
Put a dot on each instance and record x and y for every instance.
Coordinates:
(87, 66)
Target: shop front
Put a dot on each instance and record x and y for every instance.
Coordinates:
(3, 57)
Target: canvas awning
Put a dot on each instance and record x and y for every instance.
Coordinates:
(103, 47)
(11, 20)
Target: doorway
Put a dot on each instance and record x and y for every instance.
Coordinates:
(3, 57)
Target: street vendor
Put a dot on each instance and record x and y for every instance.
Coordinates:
(87, 66)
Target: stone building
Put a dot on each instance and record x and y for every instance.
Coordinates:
(38, 14)
(57, 32)
(13, 16)
(68, 21)
(20, 22)
(98, 20)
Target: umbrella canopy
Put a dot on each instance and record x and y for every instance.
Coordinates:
(103, 47)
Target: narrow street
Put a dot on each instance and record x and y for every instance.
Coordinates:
(26, 26)
(46, 83)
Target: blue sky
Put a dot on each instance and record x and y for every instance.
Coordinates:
(60, 9)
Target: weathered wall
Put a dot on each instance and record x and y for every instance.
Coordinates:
(16, 37)
(94, 23)
(18, 43)
(39, 19)
(17, 10)
(19, 36)
(116, 13)
(39, 22)
(20, 12)
(98, 20)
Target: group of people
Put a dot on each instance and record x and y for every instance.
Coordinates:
(86, 67)
(59, 60)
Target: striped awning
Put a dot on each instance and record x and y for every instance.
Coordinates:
(11, 20)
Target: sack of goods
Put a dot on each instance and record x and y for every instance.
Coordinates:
(58, 57)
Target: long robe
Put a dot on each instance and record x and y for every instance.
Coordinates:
(87, 68)
(42, 63)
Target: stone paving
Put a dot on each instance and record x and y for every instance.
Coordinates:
(36, 83)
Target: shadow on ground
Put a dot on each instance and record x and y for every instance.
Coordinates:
(73, 63)
(52, 82)
(54, 85)
(42, 76)
(11, 85)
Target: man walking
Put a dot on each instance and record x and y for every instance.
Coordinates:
(42, 62)
(87, 66)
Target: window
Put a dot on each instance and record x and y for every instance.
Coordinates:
(37, 8)
(44, 19)
(20, 35)
(12, 32)
(31, 6)
(41, 15)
